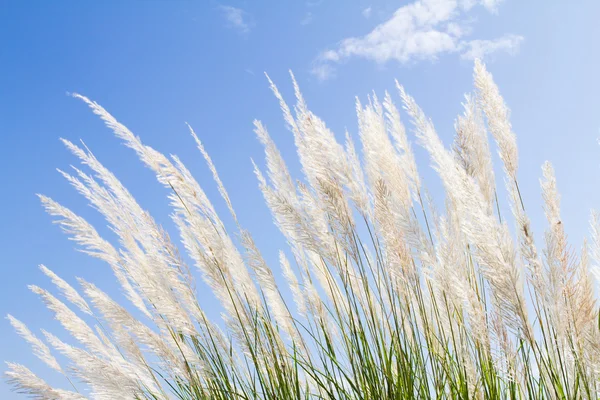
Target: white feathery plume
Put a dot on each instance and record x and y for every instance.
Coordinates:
(584, 307)
(300, 108)
(267, 283)
(91, 243)
(326, 168)
(357, 187)
(325, 278)
(316, 220)
(398, 133)
(527, 246)
(570, 300)
(292, 281)
(67, 290)
(80, 231)
(213, 170)
(478, 317)
(135, 338)
(123, 341)
(585, 311)
(459, 282)
(301, 234)
(118, 317)
(276, 167)
(86, 236)
(381, 160)
(595, 236)
(287, 114)
(473, 154)
(397, 236)
(26, 382)
(153, 159)
(574, 306)
(595, 246)
(72, 323)
(463, 279)
(188, 195)
(40, 349)
(387, 175)
(298, 228)
(559, 266)
(105, 339)
(318, 309)
(449, 270)
(497, 114)
(394, 249)
(336, 208)
(551, 199)
(472, 148)
(492, 240)
(218, 278)
(594, 270)
(321, 156)
(454, 274)
(391, 185)
(107, 379)
(166, 173)
(148, 259)
(322, 159)
(114, 201)
(291, 219)
(207, 259)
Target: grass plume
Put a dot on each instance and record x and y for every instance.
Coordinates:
(389, 297)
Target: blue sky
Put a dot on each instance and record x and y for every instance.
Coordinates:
(157, 64)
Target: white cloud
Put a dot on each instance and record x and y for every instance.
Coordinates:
(422, 30)
(238, 19)
(491, 5)
(367, 12)
(482, 48)
(323, 71)
(308, 18)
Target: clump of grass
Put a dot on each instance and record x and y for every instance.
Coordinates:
(391, 298)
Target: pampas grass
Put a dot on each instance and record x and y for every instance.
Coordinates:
(389, 298)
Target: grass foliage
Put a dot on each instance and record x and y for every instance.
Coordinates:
(386, 297)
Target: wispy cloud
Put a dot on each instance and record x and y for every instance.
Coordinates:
(323, 71)
(491, 5)
(421, 30)
(367, 12)
(238, 19)
(308, 18)
(482, 48)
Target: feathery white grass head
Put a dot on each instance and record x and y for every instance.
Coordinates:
(387, 290)
(26, 382)
(39, 348)
(67, 290)
(72, 323)
(494, 245)
(497, 114)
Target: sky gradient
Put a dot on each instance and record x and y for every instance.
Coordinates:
(158, 64)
